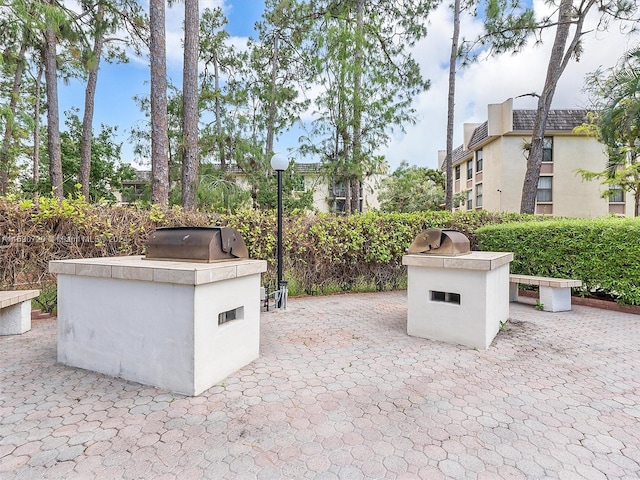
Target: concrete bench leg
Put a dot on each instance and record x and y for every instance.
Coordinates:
(555, 299)
(513, 292)
(16, 319)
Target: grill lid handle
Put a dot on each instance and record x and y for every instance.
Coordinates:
(230, 244)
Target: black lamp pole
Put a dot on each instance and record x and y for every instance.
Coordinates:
(279, 163)
(279, 229)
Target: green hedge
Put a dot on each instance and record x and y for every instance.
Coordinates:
(322, 253)
(603, 253)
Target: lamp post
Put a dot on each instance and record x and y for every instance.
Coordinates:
(280, 163)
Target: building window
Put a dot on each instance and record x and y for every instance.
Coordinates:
(478, 195)
(457, 172)
(469, 200)
(479, 160)
(469, 169)
(544, 190)
(616, 195)
(547, 149)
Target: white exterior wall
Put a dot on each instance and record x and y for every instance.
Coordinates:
(505, 167)
(492, 178)
(512, 170)
(573, 196)
(371, 187)
(481, 281)
(157, 322)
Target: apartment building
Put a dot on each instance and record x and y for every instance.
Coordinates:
(328, 195)
(489, 168)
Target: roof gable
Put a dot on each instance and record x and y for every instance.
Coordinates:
(559, 120)
(479, 134)
(523, 120)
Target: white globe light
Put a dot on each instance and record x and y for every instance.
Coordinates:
(279, 162)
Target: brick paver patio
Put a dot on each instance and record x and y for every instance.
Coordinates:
(340, 391)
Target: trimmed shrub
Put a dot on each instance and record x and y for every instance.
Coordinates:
(603, 253)
(34, 232)
(322, 253)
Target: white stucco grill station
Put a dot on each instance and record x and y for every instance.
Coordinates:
(455, 295)
(177, 324)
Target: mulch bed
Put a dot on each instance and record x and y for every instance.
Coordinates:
(40, 315)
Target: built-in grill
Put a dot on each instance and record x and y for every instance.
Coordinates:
(440, 242)
(196, 244)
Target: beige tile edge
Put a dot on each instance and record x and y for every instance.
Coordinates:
(14, 297)
(136, 268)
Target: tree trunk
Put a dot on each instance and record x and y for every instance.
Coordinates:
(355, 195)
(356, 149)
(254, 197)
(190, 105)
(451, 106)
(36, 129)
(159, 121)
(53, 118)
(560, 56)
(347, 195)
(221, 142)
(84, 176)
(5, 159)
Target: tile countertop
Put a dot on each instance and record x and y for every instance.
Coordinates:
(140, 269)
(13, 297)
(471, 261)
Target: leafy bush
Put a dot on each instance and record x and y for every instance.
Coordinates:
(34, 232)
(603, 253)
(323, 253)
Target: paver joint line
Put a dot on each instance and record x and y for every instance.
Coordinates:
(341, 391)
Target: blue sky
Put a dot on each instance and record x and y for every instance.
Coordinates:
(491, 80)
(118, 84)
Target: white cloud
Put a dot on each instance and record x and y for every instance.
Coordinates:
(174, 19)
(492, 80)
(141, 164)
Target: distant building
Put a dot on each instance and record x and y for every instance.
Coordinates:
(489, 167)
(330, 196)
(136, 188)
(327, 196)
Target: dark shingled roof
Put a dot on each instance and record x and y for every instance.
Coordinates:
(458, 154)
(141, 176)
(479, 134)
(299, 168)
(559, 120)
(563, 120)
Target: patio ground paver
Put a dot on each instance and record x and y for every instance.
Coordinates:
(340, 391)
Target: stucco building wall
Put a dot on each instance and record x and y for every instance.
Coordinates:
(501, 141)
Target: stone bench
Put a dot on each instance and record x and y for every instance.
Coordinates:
(555, 293)
(15, 311)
